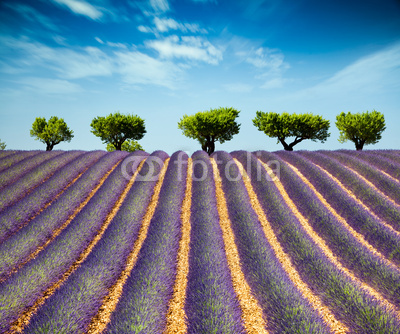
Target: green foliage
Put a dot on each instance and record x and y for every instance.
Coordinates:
(128, 145)
(210, 126)
(299, 126)
(116, 128)
(2, 146)
(361, 128)
(52, 132)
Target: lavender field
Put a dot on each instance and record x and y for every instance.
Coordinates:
(240, 242)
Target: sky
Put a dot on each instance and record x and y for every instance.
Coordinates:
(162, 59)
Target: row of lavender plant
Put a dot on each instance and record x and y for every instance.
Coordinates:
(211, 303)
(352, 254)
(22, 290)
(13, 159)
(144, 302)
(378, 161)
(15, 250)
(24, 185)
(377, 234)
(285, 308)
(6, 153)
(16, 171)
(382, 182)
(352, 305)
(393, 155)
(17, 215)
(72, 307)
(381, 206)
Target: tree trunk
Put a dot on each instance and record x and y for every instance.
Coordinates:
(359, 144)
(286, 146)
(208, 146)
(49, 146)
(118, 146)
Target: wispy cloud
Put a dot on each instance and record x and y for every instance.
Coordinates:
(163, 25)
(33, 15)
(81, 7)
(27, 57)
(371, 75)
(187, 47)
(49, 86)
(269, 63)
(159, 5)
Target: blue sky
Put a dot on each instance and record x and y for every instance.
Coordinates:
(161, 59)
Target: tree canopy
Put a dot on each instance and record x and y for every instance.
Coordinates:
(210, 126)
(52, 132)
(361, 128)
(299, 126)
(128, 145)
(116, 128)
(2, 146)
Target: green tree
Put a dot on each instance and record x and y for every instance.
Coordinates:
(210, 126)
(128, 145)
(52, 132)
(116, 128)
(2, 146)
(299, 126)
(361, 128)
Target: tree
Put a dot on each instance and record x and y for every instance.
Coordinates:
(116, 128)
(128, 145)
(52, 132)
(2, 146)
(299, 126)
(210, 126)
(361, 128)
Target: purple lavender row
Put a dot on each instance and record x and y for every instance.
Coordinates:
(384, 183)
(377, 161)
(353, 306)
(15, 250)
(16, 171)
(72, 307)
(17, 215)
(13, 159)
(24, 185)
(377, 234)
(381, 206)
(286, 309)
(144, 302)
(211, 304)
(367, 266)
(22, 290)
(393, 155)
(6, 153)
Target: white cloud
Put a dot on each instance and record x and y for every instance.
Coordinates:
(163, 25)
(159, 5)
(33, 15)
(49, 86)
(187, 47)
(30, 58)
(81, 7)
(99, 40)
(139, 68)
(372, 75)
(269, 63)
